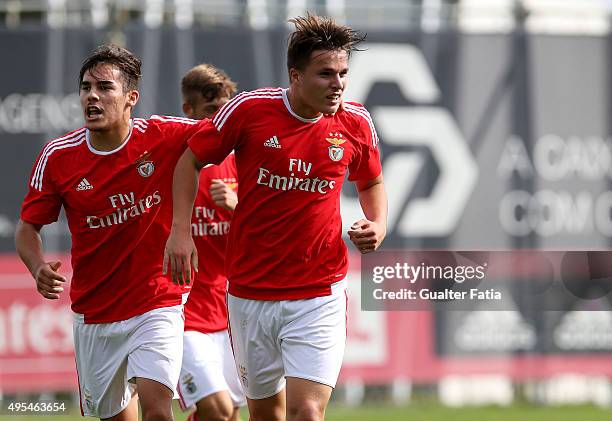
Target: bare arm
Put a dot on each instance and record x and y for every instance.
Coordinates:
(180, 252)
(367, 234)
(29, 246)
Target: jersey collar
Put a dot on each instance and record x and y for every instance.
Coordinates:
(288, 106)
(117, 149)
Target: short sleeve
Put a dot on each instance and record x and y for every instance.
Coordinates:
(176, 130)
(366, 162)
(42, 203)
(218, 137)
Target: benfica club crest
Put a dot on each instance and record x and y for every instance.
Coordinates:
(189, 383)
(336, 152)
(144, 166)
(244, 375)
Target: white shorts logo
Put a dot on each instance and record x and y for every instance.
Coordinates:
(88, 399)
(244, 375)
(187, 380)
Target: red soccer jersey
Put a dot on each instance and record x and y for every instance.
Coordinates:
(119, 210)
(206, 310)
(285, 241)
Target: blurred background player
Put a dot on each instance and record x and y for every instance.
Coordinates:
(113, 179)
(208, 375)
(287, 261)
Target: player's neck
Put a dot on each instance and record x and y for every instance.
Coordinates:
(109, 140)
(299, 106)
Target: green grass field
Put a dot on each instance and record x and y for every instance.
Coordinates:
(418, 412)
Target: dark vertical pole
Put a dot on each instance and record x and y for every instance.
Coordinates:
(522, 124)
(608, 104)
(522, 108)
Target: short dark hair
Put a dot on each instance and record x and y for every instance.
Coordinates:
(318, 33)
(127, 63)
(208, 81)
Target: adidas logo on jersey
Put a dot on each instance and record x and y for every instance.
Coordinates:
(273, 143)
(84, 185)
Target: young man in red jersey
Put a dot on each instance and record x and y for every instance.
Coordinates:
(113, 179)
(208, 374)
(286, 259)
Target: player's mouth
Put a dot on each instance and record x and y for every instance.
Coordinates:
(93, 112)
(334, 98)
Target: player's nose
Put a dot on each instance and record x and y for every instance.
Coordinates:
(336, 82)
(93, 95)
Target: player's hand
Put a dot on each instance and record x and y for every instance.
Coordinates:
(48, 281)
(223, 195)
(366, 235)
(180, 256)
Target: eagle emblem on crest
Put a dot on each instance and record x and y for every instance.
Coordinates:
(336, 152)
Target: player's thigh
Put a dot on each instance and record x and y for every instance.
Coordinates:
(101, 354)
(254, 335)
(314, 338)
(156, 347)
(201, 369)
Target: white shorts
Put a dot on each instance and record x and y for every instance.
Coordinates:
(110, 355)
(208, 367)
(290, 338)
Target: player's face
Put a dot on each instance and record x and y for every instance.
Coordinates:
(323, 81)
(106, 106)
(202, 108)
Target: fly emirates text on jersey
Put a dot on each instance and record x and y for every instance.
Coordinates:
(293, 181)
(126, 207)
(204, 223)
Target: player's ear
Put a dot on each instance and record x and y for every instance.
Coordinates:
(133, 96)
(187, 110)
(294, 75)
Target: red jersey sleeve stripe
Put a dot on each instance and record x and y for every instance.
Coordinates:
(269, 96)
(225, 108)
(221, 117)
(51, 144)
(353, 109)
(175, 119)
(140, 125)
(178, 118)
(37, 179)
(141, 122)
